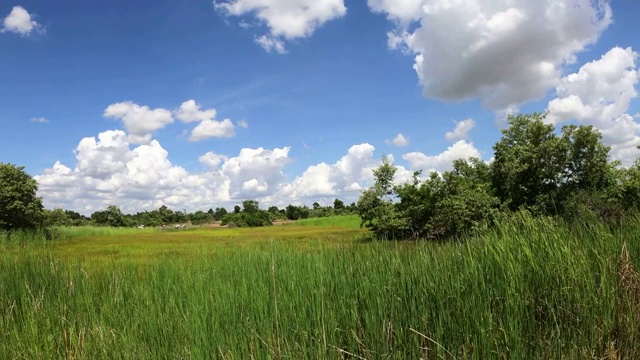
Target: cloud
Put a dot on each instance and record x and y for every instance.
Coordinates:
(189, 111)
(19, 21)
(270, 43)
(399, 140)
(242, 123)
(139, 121)
(443, 161)
(111, 170)
(39, 120)
(600, 94)
(212, 129)
(505, 52)
(285, 19)
(461, 130)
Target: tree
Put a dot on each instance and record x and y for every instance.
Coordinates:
(529, 161)
(200, 217)
(20, 208)
(56, 217)
(338, 205)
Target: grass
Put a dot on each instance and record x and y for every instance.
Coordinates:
(530, 289)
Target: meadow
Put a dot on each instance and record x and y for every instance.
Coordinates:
(531, 288)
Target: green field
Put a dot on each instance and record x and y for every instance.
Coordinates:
(322, 288)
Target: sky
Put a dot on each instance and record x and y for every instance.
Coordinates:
(195, 104)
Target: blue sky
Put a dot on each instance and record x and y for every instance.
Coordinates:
(126, 102)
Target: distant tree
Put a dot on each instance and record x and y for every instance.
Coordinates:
(20, 208)
(250, 206)
(338, 204)
(237, 209)
(219, 213)
(115, 217)
(56, 217)
(274, 210)
(200, 217)
(316, 206)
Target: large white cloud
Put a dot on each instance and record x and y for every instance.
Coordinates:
(505, 52)
(345, 178)
(286, 19)
(111, 170)
(19, 21)
(600, 94)
(443, 161)
(139, 121)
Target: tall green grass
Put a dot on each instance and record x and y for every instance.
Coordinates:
(530, 289)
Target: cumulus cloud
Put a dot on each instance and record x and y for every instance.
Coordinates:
(461, 130)
(399, 140)
(189, 111)
(345, 178)
(111, 170)
(19, 21)
(212, 129)
(505, 52)
(243, 124)
(600, 94)
(285, 19)
(39, 120)
(139, 121)
(255, 171)
(443, 161)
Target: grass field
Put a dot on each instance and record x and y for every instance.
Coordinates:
(321, 288)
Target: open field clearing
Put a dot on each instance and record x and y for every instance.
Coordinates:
(531, 289)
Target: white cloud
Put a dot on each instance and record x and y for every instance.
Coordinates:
(189, 111)
(109, 170)
(443, 161)
(255, 172)
(600, 94)
(323, 179)
(505, 52)
(212, 129)
(212, 160)
(399, 140)
(461, 130)
(39, 120)
(242, 123)
(139, 121)
(270, 43)
(288, 19)
(19, 21)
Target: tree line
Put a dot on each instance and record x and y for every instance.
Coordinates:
(20, 208)
(537, 169)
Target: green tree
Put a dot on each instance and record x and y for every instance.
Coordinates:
(529, 161)
(56, 217)
(200, 217)
(114, 216)
(20, 208)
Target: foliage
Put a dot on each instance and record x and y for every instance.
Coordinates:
(20, 208)
(250, 216)
(534, 169)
